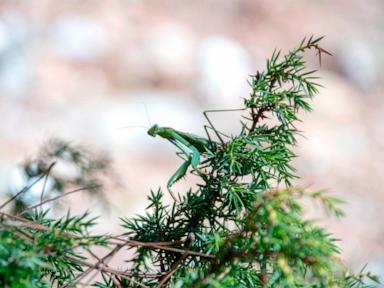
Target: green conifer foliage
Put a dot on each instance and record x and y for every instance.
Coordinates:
(241, 226)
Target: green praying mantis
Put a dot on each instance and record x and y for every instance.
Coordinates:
(190, 145)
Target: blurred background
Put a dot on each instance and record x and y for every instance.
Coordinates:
(80, 70)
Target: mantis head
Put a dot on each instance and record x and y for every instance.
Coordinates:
(153, 131)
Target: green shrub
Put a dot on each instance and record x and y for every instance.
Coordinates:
(241, 226)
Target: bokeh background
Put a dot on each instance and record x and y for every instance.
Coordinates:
(79, 70)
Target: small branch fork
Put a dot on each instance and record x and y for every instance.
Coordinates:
(258, 115)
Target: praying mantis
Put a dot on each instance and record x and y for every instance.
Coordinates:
(191, 146)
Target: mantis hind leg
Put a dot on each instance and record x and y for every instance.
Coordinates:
(206, 127)
(211, 124)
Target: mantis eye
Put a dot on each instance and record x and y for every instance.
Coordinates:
(153, 130)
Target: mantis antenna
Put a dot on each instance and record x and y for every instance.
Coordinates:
(139, 126)
(146, 112)
(131, 126)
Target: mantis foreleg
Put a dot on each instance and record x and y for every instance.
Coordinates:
(195, 158)
(180, 173)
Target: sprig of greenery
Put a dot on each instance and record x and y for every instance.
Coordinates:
(37, 250)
